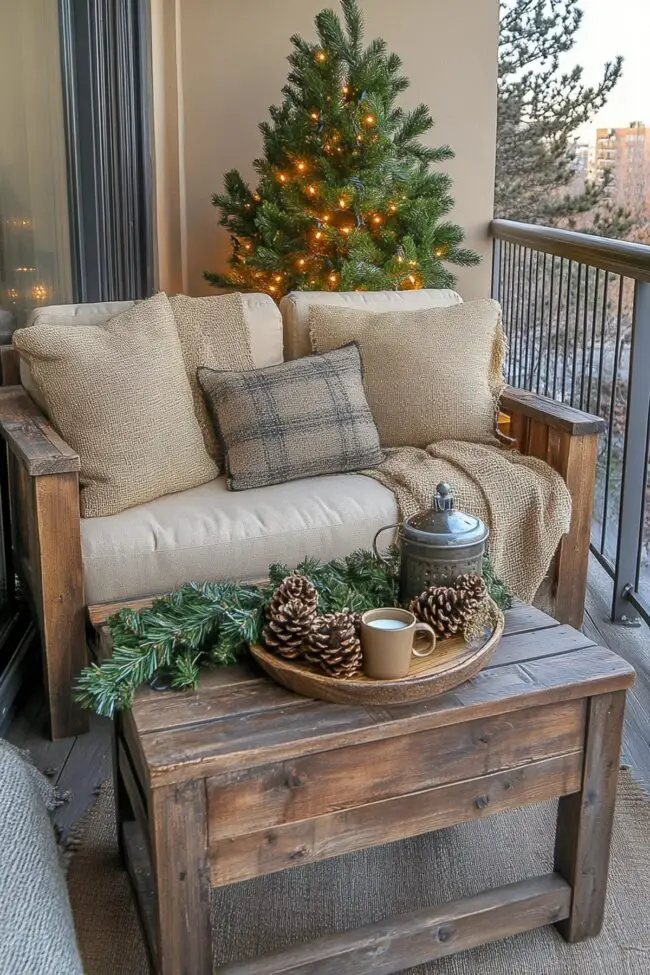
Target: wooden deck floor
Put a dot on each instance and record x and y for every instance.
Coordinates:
(80, 764)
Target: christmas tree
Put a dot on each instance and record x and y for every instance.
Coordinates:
(347, 196)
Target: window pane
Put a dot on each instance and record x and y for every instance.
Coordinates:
(34, 233)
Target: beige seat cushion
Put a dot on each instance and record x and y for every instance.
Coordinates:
(213, 533)
(261, 312)
(430, 374)
(119, 395)
(295, 309)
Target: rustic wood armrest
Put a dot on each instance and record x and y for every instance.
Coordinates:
(31, 438)
(567, 439)
(552, 414)
(40, 504)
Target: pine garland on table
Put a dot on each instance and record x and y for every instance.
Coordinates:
(212, 624)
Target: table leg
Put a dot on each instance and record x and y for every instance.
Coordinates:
(585, 819)
(123, 809)
(179, 835)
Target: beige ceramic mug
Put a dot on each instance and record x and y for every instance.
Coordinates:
(389, 638)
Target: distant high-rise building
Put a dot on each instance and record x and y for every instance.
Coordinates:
(625, 152)
(581, 169)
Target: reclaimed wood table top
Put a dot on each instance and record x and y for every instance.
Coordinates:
(239, 718)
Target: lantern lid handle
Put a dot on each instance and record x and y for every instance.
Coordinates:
(443, 499)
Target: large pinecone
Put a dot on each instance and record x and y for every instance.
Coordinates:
(473, 590)
(449, 608)
(293, 586)
(334, 645)
(286, 631)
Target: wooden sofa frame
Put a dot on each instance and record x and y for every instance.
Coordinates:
(40, 491)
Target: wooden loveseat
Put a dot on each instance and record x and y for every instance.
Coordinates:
(47, 545)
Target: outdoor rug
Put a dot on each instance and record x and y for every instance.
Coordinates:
(260, 916)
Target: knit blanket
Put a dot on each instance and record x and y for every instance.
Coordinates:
(523, 501)
(37, 934)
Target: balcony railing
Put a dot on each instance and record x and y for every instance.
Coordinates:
(576, 310)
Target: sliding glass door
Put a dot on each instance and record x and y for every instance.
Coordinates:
(35, 258)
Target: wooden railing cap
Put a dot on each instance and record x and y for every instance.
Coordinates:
(616, 256)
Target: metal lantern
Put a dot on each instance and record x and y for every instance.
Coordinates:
(438, 545)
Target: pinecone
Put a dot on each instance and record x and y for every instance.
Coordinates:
(444, 608)
(473, 590)
(334, 645)
(293, 586)
(288, 627)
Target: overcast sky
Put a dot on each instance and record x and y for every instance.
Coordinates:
(612, 27)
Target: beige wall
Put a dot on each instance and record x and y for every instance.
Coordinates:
(218, 66)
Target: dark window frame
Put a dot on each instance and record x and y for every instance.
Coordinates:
(106, 69)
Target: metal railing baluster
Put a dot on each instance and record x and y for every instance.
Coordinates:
(557, 334)
(602, 342)
(635, 457)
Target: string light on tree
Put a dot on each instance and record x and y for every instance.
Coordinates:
(338, 128)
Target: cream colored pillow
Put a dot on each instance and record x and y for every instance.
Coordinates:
(119, 395)
(429, 374)
(213, 333)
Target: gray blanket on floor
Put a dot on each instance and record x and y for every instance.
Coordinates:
(37, 934)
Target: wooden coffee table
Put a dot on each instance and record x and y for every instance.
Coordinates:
(244, 778)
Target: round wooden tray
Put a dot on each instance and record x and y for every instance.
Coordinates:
(452, 662)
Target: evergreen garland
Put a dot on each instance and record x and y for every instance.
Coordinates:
(212, 623)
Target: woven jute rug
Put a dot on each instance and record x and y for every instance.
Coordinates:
(260, 916)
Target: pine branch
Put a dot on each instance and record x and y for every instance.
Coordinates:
(495, 587)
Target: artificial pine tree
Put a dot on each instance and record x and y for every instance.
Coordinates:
(347, 198)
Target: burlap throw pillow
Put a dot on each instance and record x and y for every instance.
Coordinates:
(297, 419)
(214, 333)
(119, 395)
(430, 374)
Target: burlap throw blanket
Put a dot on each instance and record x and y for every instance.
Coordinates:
(524, 502)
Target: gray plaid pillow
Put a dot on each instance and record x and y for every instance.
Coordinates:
(298, 419)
